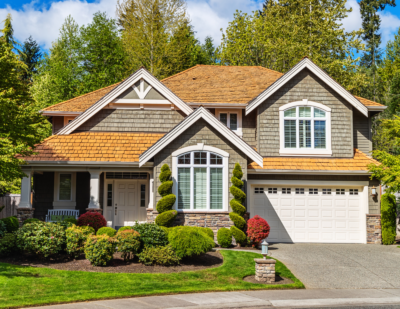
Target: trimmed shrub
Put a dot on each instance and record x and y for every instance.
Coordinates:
(165, 174)
(124, 228)
(165, 256)
(8, 244)
(93, 219)
(106, 231)
(237, 207)
(128, 244)
(64, 224)
(71, 220)
(166, 230)
(388, 218)
(189, 241)
(151, 235)
(166, 218)
(44, 239)
(237, 220)
(166, 203)
(257, 229)
(12, 224)
(99, 250)
(3, 229)
(208, 231)
(76, 237)
(224, 237)
(165, 188)
(31, 220)
(239, 235)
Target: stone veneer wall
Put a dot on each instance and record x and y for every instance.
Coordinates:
(374, 231)
(24, 213)
(265, 270)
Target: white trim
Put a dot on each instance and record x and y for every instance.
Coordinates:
(200, 147)
(116, 92)
(327, 152)
(238, 112)
(303, 64)
(220, 105)
(200, 113)
(139, 101)
(64, 204)
(376, 108)
(25, 200)
(306, 172)
(95, 189)
(308, 183)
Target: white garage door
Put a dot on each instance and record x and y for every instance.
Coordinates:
(310, 214)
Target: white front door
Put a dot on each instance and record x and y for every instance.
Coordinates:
(126, 205)
(310, 214)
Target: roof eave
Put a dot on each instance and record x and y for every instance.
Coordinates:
(308, 172)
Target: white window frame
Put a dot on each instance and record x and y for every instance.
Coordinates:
(225, 175)
(64, 204)
(305, 151)
(238, 112)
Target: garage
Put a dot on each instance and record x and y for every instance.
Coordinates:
(315, 213)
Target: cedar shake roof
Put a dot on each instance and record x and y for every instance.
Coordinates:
(359, 162)
(94, 146)
(201, 84)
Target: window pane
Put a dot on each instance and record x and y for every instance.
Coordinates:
(291, 112)
(305, 133)
(214, 159)
(200, 158)
(304, 111)
(142, 195)
(184, 188)
(290, 133)
(109, 194)
(184, 159)
(233, 122)
(215, 188)
(224, 118)
(200, 188)
(65, 187)
(319, 134)
(319, 113)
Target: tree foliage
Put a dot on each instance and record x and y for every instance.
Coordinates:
(30, 54)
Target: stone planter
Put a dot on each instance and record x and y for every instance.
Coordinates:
(265, 270)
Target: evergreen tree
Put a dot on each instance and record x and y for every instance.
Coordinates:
(8, 32)
(394, 96)
(209, 51)
(30, 55)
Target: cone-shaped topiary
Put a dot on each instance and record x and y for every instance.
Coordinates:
(164, 206)
(388, 218)
(239, 235)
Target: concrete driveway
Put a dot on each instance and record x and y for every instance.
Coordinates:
(341, 266)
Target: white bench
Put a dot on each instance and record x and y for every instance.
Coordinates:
(61, 212)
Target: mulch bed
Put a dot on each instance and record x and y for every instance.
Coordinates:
(117, 265)
(278, 280)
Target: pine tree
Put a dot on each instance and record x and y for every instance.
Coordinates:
(8, 32)
(30, 55)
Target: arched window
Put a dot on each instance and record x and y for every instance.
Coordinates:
(200, 181)
(305, 129)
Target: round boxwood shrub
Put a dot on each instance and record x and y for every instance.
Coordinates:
(167, 218)
(165, 256)
(12, 224)
(8, 244)
(239, 235)
(189, 241)
(31, 220)
(257, 229)
(124, 228)
(224, 237)
(44, 239)
(106, 231)
(388, 218)
(93, 219)
(75, 238)
(71, 220)
(208, 231)
(128, 244)
(237, 220)
(3, 229)
(151, 235)
(99, 250)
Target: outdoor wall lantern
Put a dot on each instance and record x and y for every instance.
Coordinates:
(264, 249)
(373, 191)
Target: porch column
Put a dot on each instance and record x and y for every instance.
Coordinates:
(25, 201)
(94, 204)
(151, 190)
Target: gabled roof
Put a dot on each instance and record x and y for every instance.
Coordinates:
(306, 63)
(94, 146)
(221, 84)
(200, 113)
(358, 163)
(118, 90)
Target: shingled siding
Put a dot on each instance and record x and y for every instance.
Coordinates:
(305, 86)
(373, 202)
(250, 128)
(43, 187)
(132, 120)
(200, 132)
(361, 131)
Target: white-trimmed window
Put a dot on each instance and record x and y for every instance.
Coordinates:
(64, 190)
(231, 118)
(305, 129)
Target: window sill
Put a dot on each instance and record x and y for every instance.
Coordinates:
(205, 211)
(305, 152)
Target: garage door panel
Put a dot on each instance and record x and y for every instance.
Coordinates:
(326, 213)
(313, 202)
(314, 224)
(313, 213)
(325, 202)
(299, 224)
(299, 202)
(286, 202)
(340, 202)
(327, 224)
(341, 224)
(286, 213)
(340, 213)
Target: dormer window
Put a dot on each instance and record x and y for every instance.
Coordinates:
(231, 118)
(305, 129)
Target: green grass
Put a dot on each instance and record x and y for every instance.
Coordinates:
(25, 286)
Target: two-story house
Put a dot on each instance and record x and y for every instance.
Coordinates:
(302, 140)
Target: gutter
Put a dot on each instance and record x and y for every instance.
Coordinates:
(59, 113)
(85, 163)
(226, 105)
(376, 108)
(306, 172)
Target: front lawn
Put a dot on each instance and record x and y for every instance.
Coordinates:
(26, 286)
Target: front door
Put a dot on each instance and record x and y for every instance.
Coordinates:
(126, 206)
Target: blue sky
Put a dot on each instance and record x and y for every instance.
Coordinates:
(42, 18)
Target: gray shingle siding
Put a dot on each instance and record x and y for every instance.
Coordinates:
(250, 128)
(305, 86)
(133, 120)
(362, 132)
